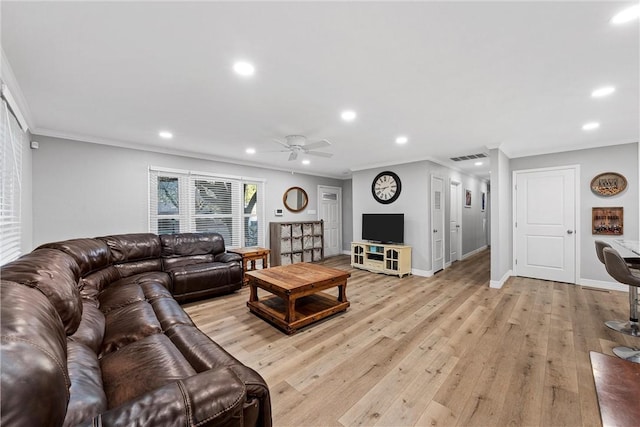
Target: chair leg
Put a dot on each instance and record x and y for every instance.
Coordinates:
(631, 327)
(633, 304)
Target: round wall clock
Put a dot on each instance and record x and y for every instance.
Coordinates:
(386, 187)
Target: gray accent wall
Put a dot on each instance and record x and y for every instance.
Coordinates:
(622, 159)
(84, 189)
(415, 203)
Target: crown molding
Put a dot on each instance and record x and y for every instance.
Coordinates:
(170, 151)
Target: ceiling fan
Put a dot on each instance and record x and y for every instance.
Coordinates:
(297, 144)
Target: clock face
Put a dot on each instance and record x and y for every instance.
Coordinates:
(386, 187)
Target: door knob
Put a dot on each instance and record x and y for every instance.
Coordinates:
(569, 231)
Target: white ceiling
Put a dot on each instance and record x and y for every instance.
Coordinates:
(455, 77)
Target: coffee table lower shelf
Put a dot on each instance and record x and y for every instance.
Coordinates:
(308, 309)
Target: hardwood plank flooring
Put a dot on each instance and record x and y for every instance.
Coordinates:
(440, 351)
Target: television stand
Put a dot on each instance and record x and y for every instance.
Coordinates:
(381, 258)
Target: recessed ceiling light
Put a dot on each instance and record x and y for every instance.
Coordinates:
(250, 151)
(402, 140)
(348, 115)
(165, 134)
(306, 162)
(244, 68)
(591, 126)
(603, 91)
(478, 163)
(626, 15)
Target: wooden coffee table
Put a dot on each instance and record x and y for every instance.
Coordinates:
(297, 298)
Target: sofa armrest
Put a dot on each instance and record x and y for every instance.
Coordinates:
(210, 398)
(228, 257)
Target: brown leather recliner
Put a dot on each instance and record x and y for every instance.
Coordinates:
(92, 335)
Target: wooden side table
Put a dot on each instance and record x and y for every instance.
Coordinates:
(251, 254)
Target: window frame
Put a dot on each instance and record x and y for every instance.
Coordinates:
(187, 210)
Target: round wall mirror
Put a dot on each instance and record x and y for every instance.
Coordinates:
(295, 199)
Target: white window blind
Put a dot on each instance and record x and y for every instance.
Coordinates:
(13, 139)
(186, 201)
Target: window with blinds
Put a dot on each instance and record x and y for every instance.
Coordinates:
(182, 201)
(13, 139)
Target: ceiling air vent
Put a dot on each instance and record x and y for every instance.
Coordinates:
(469, 157)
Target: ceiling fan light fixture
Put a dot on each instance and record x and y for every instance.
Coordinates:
(164, 134)
(306, 161)
(250, 151)
(402, 140)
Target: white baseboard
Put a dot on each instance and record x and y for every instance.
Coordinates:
(610, 286)
(345, 252)
(473, 252)
(447, 264)
(421, 273)
(497, 284)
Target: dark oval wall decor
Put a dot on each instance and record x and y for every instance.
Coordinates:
(608, 184)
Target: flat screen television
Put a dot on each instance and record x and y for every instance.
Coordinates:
(383, 228)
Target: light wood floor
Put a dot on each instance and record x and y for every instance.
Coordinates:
(439, 351)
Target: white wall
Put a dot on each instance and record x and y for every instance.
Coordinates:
(414, 203)
(83, 190)
(622, 159)
(501, 218)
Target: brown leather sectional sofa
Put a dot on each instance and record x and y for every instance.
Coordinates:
(92, 334)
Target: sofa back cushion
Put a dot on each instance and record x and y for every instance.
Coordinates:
(185, 244)
(134, 253)
(35, 380)
(56, 275)
(90, 254)
(132, 247)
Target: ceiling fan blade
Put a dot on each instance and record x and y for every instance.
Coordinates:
(293, 156)
(319, 154)
(318, 144)
(282, 143)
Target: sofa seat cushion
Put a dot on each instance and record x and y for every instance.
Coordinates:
(212, 398)
(141, 367)
(169, 313)
(169, 263)
(129, 324)
(204, 354)
(198, 277)
(127, 269)
(87, 395)
(122, 293)
(91, 329)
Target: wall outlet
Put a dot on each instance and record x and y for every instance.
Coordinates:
(278, 212)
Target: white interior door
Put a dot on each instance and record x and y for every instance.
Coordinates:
(455, 202)
(437, 224)
(330, 210)
(545, 225)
